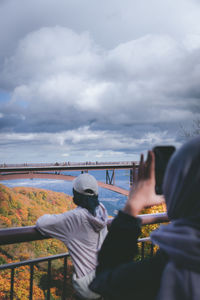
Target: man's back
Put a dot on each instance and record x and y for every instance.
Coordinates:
(81, 232)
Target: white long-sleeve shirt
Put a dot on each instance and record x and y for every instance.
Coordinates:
(81, 232)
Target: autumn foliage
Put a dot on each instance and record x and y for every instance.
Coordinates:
(22, 206)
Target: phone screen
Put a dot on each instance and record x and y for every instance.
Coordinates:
(162, 156)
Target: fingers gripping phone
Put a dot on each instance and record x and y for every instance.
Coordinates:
(162, 156)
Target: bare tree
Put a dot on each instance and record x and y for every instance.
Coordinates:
(194, 131)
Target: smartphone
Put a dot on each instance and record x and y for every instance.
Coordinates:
(162, 156)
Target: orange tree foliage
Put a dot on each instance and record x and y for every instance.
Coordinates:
(21, 285)
(147, 229)
(152, 210)
(22, 206)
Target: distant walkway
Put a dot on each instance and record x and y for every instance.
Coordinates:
(60, 177)
(68, 164)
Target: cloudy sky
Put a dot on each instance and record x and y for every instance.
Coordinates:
(90, 80)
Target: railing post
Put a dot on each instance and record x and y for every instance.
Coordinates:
(31, 281)
(152, 248)
(49, 280)
(64, 296)
(142, 250)
(132, 174)
(12, 284)
(110, 180)
(131, 177)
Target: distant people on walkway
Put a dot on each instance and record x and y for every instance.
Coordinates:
(82, 230)
(173, 273)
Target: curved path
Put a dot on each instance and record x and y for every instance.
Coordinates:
(60, 177)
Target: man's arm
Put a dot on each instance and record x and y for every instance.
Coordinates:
(55, 225)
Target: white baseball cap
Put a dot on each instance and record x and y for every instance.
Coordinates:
(85, 182)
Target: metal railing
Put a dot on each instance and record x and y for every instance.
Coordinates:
(30, 233)
(33, 262)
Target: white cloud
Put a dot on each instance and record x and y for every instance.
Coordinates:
(53, 50)
(84, 143)
(115, 86)
(118, 77)
(65, 154)
(110, 22)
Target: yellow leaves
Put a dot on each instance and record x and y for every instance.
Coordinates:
(5, 222)
(22, 206)
(21, 285)
(4, 284)
(54, 293)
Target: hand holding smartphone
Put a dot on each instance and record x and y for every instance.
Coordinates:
(162, 156)
(142, 193)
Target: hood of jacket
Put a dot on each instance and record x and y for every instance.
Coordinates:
(181, 243)
(99, 221)
(181, 184)
(181, 238)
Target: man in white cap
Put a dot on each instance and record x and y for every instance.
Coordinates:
(82, 230)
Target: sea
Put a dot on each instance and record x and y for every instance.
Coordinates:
(111, 200)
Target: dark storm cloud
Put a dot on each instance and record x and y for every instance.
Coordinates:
(95, 85)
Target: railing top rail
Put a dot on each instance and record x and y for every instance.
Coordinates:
(33, 261)
(30, 233)
(148, 219)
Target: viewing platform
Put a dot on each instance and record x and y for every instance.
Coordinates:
(10, 236)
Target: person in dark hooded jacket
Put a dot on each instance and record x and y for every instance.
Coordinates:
(173, 273)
